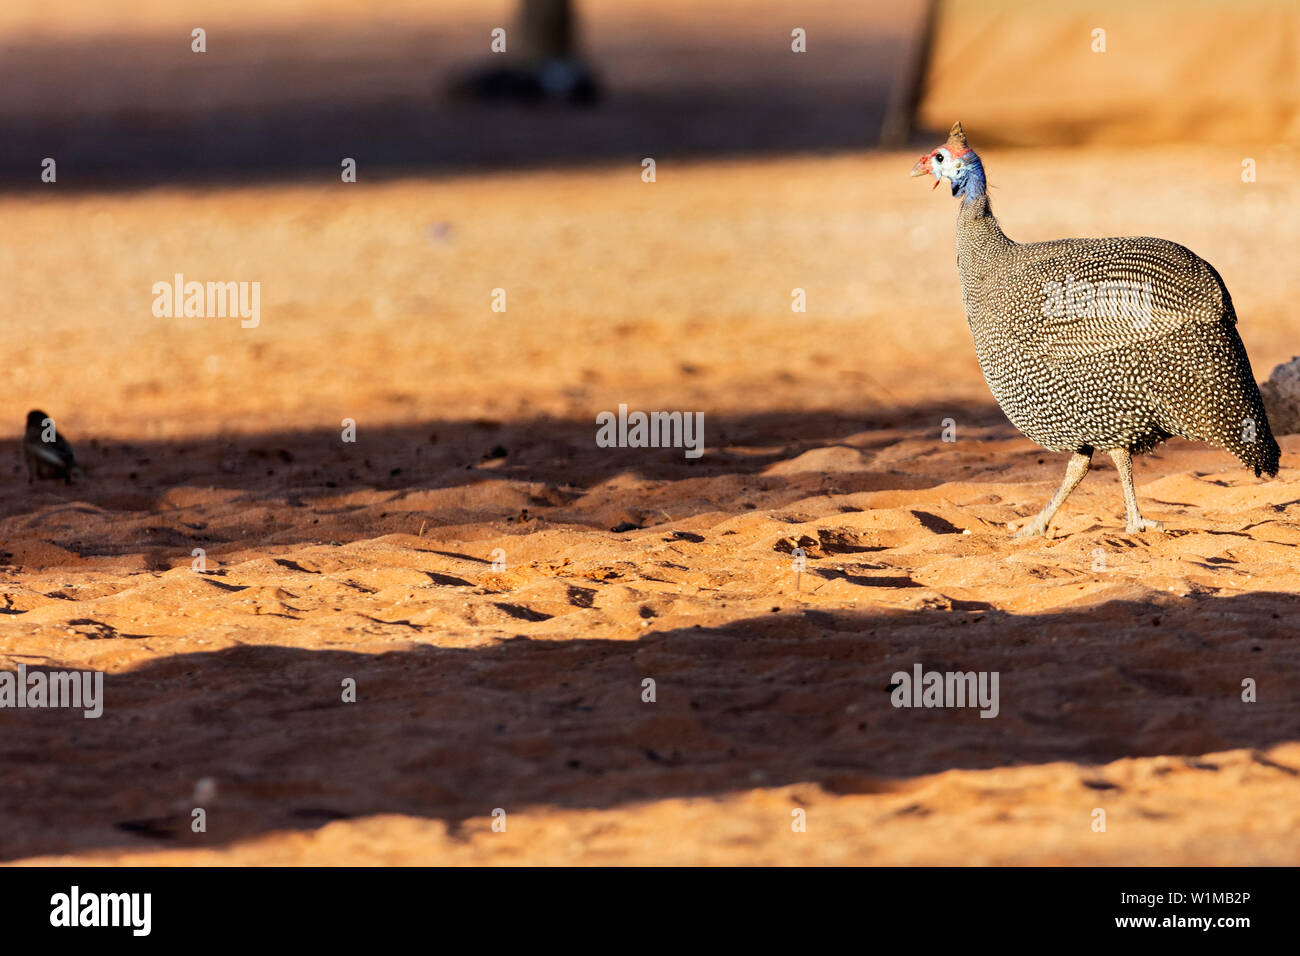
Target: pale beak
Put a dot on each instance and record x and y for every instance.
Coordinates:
(922, 167)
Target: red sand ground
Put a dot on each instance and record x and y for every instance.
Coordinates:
(1121, 656)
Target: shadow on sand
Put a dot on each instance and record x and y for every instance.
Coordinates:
(453, 733)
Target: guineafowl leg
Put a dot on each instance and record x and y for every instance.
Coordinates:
(1074, 472)
(1124, 462)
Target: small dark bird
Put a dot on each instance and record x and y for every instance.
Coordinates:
(48, 453)
(1100, 344)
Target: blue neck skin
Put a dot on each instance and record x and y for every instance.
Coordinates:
(969, 183)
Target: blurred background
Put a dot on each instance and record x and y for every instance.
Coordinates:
(287, 85)
(118, 94)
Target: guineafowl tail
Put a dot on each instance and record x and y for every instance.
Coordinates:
(1248, 434)
(1262, 454)
(1243, 428)
(1210, 394)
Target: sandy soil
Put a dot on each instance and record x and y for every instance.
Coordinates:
(519, 687)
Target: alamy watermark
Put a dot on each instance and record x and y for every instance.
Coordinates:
(946, 689)
(208, 300)
(651, 430)
(78, 690)
(1112, 299)
(75, 908)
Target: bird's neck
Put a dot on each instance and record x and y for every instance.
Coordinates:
(981, 246)
(975, 207)
(977, 226)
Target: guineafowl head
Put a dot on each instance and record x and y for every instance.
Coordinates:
(956, 162)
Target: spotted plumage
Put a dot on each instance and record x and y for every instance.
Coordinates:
(1101, 344)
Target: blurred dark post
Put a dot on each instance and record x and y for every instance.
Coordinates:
(547, 28)
(544, 64)
(909, 83)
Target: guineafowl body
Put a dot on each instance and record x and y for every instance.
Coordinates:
(1101, 344)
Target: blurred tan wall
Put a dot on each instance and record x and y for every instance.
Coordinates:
(1025, 73)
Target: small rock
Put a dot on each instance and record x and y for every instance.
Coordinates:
(809, 545)
(1281, 395)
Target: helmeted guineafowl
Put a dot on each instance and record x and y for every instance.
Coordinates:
(1100, 344)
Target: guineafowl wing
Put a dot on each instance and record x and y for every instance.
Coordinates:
(1141, 335)
(1098, 295)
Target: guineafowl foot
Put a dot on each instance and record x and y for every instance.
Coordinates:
(1135, 521)
(1037, 526)
(1032, 529)
(1143, 524)
(1074, 472)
